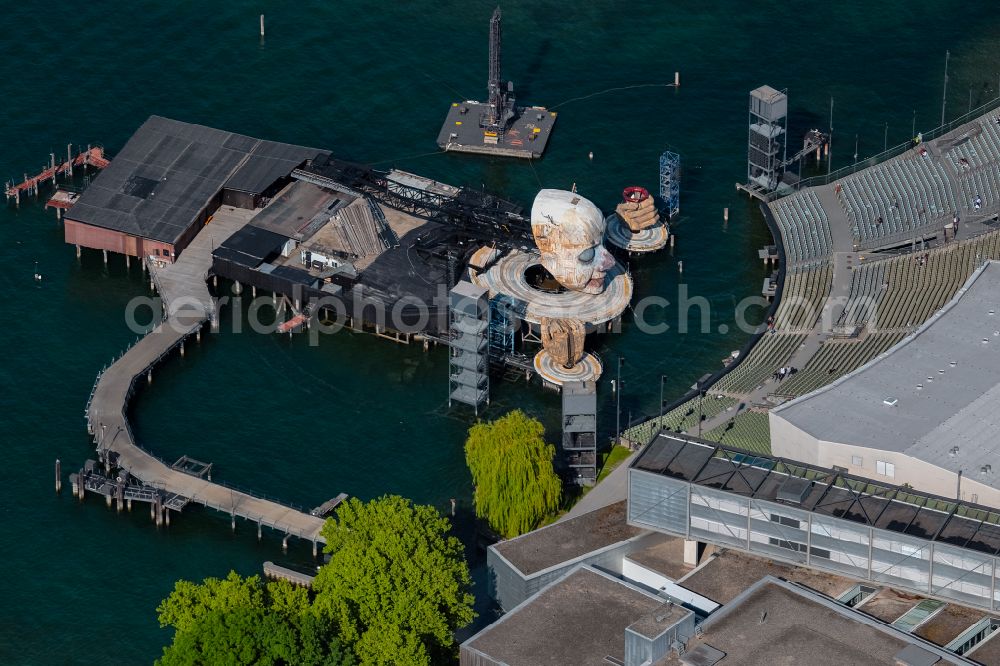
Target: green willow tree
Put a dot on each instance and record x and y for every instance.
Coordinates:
(511, 467)
(239, 620)
(397, 585)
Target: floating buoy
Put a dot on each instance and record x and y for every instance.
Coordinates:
(591, 155)
(38, 276)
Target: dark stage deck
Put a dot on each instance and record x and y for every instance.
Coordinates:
(526, 137)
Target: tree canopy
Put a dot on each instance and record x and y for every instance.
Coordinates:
(511, 467)
(397, 585)
(255, 636)
(239, 620)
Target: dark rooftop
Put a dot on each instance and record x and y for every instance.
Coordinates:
(828, 492)
(666, 557)
(169, 171)
(775, 622)
(730, 572)
(579, 619)
(292, 211)
(567, 539)
(251, 246)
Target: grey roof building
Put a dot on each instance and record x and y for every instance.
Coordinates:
(169, 178)
(922, 413)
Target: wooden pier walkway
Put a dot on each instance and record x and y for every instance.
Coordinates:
(278, 572)
(188, 305)
(93, 156)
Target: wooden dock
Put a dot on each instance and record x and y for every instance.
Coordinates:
(327, 507)
(278, 572)
(92, 156)
(188, 306)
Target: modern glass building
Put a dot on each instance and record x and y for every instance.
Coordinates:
(818, 518)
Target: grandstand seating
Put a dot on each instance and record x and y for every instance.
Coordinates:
(889, 297)
(771, 352)
(909, 193)
(748, 430)
(980, 149)
(835, 359)
(906, 290)
(682, 418)
(976, 159)
(805, 227)
(806, 287)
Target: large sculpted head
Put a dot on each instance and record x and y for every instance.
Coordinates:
(569, 233)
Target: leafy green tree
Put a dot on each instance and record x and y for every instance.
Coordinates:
(239, 620)
(397, 585)
(255, 636)
(511, 467)
(190, 601)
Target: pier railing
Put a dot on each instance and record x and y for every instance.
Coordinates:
(895, 151)
(104, 443)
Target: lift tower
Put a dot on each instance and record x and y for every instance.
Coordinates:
(500, 109)
(496, 126)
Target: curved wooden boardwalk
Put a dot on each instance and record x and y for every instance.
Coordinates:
(189, 306)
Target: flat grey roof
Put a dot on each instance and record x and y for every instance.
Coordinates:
(567, 539)
(169, 170)
(293, 210)
(579, 619)
(935, 390)
(730, 572)
(776, 622)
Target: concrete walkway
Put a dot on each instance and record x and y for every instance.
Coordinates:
(182, 284)
(833, 307)
(840, 226)
(613, 488)
(190, 306)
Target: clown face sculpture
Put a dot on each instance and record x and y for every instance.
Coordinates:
(569, 233)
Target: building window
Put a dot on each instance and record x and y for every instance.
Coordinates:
(790, 522)
(857, 461)
(885, 468)
(157, 251)
(799, 547)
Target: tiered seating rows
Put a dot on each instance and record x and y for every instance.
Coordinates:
(805, 227)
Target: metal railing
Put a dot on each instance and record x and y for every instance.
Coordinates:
(895, 151)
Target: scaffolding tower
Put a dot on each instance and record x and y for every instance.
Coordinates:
(469, 352)
(503, 323)
(579, 421)
(768, 128)
(670, 182)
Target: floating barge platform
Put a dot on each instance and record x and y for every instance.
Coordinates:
(526, 137)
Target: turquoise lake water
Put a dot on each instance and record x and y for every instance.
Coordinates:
(372, 83)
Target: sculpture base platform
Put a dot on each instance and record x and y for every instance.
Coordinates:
(648, 240)
(588, 369)
(507, 276)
